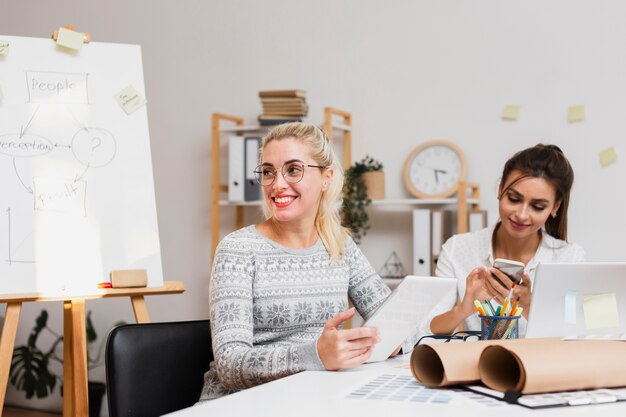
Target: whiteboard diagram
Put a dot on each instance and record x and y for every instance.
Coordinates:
(77, 195)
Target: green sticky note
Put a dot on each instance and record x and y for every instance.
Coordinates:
(576, 114)
(607, 157)
(129, 99)
(600, 311)
(4, 47)
(510, 112)
(70, 39)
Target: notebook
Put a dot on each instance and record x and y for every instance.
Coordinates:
(555, 399)
(579, 300)
(404, 310)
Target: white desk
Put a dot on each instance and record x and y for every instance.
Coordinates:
(320, 394)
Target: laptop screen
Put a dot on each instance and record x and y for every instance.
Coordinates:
(578, 300)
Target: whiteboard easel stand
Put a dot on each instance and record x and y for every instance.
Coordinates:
(75, 401)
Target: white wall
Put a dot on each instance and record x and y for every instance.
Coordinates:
(408, 70)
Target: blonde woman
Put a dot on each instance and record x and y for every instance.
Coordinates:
(279, 289)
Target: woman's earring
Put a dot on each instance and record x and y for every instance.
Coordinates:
(554, 215)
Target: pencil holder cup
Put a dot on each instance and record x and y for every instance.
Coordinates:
(499, 327)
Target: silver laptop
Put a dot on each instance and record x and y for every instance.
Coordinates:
(581, 300)
(404, 310)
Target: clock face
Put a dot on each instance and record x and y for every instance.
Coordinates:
(434, 169)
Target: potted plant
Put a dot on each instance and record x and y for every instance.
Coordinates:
(31, 371)
(364, 181)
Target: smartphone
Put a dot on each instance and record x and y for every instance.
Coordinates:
(513, 269)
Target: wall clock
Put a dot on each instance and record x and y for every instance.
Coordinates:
(434, 169)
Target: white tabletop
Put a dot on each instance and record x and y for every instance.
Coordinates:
(321, 394)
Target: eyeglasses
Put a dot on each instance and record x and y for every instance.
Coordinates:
(292, 172)
(460, 335)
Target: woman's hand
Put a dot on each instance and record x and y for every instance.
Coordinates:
(475, 289)
(340, 349)
(395, 352)
(522, 290)
(499, 286)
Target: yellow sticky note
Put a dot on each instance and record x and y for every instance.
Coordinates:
(70, 39)
(576, 114)
(4, 47)
(510, 112)
(607, 157)
(600, 311)
(130, 99)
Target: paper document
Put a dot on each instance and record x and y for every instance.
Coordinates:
(404, 310)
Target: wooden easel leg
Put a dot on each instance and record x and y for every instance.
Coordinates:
(75, 360)
(79, 347)
(140, 309)
(7, 342)
(68, 361)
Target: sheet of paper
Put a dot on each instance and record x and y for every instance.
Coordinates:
(607, 157)
(70, 39)
(600, 311)
(576, 114)
(510, 112)
(129, 99)
(405, 389)
(4, 47)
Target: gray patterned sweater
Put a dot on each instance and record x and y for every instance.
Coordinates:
(269, 304)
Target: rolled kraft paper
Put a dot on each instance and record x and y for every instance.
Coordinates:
(554, 365)
(442, 364)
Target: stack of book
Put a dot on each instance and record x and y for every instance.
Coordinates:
(283, 106)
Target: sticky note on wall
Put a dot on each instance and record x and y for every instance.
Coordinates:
(600, 311)
(607, 157)
(129, 99)
(4, 47)
(510, 112)
(576, 114)
(70, 39)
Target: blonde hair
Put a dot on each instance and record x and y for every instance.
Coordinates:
(328, 218)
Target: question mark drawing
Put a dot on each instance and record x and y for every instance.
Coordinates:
(97, 142)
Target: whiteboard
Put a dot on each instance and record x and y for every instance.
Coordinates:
(77, 193)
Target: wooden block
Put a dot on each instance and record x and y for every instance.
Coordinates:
(127, 278)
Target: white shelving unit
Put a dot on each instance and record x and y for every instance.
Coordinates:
(468, 194)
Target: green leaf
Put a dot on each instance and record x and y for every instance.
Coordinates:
(30, 373)
(91, 330)
(355, 199)
(40, 324)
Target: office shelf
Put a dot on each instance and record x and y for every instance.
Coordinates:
(467, 197)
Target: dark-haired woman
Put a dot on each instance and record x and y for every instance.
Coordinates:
(533, 196)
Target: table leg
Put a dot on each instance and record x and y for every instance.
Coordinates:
(7, 342)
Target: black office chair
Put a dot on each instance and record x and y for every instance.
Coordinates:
(156, 368)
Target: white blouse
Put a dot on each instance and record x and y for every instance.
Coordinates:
(464, 252)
